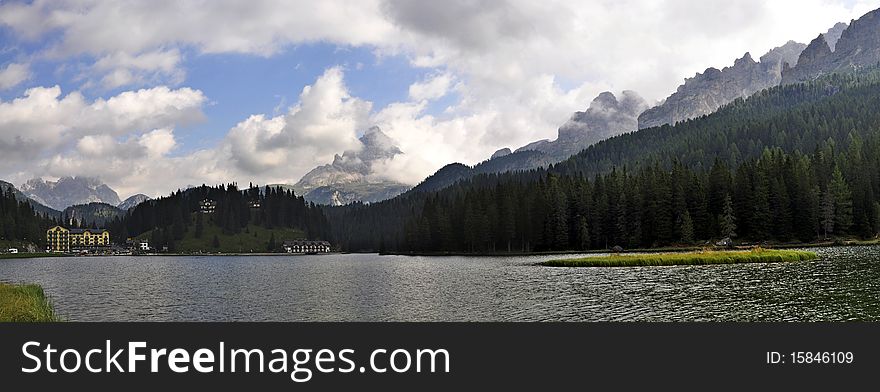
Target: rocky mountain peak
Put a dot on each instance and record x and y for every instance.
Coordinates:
(350, 177)
(744, 61)
(817, 50)
(785, 54)
(861, 39)
(858, 46)
(833, 34)
(500, 153)
(68, 191)
(606, 116)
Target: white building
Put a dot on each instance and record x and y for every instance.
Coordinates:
(303, 246)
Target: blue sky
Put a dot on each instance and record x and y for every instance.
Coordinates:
(176, 93)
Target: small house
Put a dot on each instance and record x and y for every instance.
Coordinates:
(207, 206)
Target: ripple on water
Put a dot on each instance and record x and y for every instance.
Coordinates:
(843, 284)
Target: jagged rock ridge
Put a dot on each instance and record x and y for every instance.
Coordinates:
(858, 46)
(706, 92)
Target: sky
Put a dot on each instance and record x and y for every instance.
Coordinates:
(152, 96)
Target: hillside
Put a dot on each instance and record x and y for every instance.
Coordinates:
(93, 214)
(243, 220)
(251, 239)
(39, 208)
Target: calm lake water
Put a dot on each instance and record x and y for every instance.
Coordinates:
(844, 284)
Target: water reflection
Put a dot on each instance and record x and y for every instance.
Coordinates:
(844, 284)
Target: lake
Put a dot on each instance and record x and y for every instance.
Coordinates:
(843, 284)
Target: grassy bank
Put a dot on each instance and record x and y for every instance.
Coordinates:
(695, 258)
(25, 303)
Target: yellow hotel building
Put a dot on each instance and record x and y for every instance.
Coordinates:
(59, 239)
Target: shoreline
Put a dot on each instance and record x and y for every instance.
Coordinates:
(683, 249)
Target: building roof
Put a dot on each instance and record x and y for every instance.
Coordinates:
(304, 242)
(80, 231)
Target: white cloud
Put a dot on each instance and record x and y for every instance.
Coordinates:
(122, 69)
(43, 133)
(14, 74)
(324, 122)
(435, 87)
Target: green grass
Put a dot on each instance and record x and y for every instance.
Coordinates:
(694, 258)
(25, 303)
(251, 239)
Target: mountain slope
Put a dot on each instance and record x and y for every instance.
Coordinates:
(92, 214)
(68, 191)
(38, 208)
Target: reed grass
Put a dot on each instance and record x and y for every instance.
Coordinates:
(692, 258)
(25, 303)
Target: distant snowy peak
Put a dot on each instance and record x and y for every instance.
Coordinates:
(68, 191)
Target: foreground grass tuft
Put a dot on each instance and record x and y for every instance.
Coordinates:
(25, 303)
(698, 258)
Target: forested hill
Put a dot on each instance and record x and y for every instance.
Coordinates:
(169, 219)
(791, 163)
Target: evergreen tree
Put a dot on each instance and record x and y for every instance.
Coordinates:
(727, 220)
(842, 202)
(686, 227)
